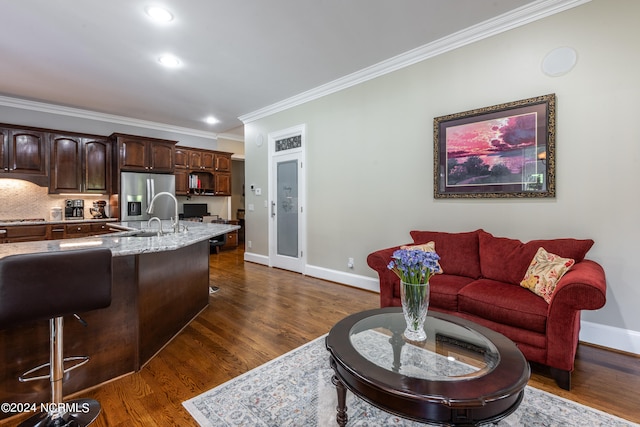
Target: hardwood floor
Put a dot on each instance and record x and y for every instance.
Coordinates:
(260, 313)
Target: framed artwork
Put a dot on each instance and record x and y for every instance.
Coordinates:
(506, 150)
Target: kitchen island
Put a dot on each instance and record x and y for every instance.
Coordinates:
(160, 283)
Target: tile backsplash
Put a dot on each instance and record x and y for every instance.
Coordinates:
(22, 199)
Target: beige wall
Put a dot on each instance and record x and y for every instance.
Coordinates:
(370, 154)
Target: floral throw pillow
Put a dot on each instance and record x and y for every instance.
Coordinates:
(544, 272)
(427, 247)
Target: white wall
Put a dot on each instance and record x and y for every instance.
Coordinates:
(370, 155)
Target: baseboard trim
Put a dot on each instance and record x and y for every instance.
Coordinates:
(608, 336)
(257, 258)
(350, 279)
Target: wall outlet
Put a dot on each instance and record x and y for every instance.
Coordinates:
(350, 263)
(249, 244)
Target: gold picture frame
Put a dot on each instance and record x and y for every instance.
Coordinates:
(502, 151)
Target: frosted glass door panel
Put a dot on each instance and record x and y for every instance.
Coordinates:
(287, 208)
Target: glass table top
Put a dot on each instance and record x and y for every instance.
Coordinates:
(450, 352)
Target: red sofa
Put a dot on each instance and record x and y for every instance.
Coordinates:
(481, 282)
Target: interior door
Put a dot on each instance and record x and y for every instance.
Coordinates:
(286, 231)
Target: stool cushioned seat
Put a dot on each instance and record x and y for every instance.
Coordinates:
(46, 285)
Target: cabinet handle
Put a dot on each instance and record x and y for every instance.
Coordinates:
(3, 231)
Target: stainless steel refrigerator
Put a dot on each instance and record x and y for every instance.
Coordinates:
(137, 190)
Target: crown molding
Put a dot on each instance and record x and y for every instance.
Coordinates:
(103, 117)
(508, 21)
(231, 136)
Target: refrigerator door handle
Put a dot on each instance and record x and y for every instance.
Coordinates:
(148, 195)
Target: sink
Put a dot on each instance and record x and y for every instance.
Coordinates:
(146, 234)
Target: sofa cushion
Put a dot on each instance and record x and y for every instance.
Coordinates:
(507, 260)
(443, 290)
(544, 272)
(504, 303)
(458, 251)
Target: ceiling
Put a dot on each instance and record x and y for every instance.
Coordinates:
(237, 56)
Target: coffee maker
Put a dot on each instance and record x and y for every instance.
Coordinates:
(74, 209)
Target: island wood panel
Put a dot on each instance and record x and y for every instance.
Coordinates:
(173, 287)
(109, 339)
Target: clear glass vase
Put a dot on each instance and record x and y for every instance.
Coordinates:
(415, 303)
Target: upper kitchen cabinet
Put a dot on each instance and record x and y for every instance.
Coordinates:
(182, 158)
(222, 162)
(142, 154)
(202, 172)
(96, 165)
(23, 154)
(79, 164)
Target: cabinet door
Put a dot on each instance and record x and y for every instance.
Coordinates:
(26, 233)
(208, 161)
(222, 162)
(96, 170)
(27, 152)
(65, 172)
(182, 158)
(4, 150)
(133, 154)
(182, 182)
(195, 160)
(162, 156)
(222, 184)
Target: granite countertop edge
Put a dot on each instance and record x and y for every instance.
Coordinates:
(123, 242)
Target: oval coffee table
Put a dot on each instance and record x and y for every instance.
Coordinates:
(463, 374)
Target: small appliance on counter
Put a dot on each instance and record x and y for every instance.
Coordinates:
(98, 210)
(55, 214)
(74, 209)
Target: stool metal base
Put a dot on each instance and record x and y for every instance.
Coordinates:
(74, 413)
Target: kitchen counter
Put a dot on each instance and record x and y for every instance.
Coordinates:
(122, 242)
(159, 285)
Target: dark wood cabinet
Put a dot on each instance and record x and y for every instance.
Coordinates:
(182, 182)
(23, 153)
(65, 175)
(142, 154)
(55, 231)
(182, 158)
(202, 172)
(222, 184)
(80, 164)
(96, 165)
(23, 233)
(222, 162)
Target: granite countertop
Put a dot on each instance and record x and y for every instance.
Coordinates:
(123, 242)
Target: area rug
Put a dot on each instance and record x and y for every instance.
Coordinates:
(296, 390)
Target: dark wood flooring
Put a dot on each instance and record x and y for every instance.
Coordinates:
(260, 313)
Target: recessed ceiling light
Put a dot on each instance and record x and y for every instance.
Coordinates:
(169, 61)
(211, 120)
(158, 14)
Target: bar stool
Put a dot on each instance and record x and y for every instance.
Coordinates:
(49, 286)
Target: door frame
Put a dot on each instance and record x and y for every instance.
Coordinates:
(298, 153)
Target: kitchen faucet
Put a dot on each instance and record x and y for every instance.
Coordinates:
(155, 218)
(174, 221)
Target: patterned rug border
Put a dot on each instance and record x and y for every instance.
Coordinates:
(190, 406)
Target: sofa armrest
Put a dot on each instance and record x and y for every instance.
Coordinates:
(583, 287)
(379, 261)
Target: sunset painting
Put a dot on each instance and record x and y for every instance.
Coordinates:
(502, 151)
